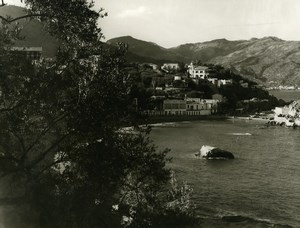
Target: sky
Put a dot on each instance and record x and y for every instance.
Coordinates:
(170, 23)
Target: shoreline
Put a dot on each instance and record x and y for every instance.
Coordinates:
(164, 119)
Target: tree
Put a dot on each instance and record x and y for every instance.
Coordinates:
(65, 157)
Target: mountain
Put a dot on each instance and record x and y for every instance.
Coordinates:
(268, 60)
(33, 31)
(147, 50)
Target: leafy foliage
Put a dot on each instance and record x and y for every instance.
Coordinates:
(63, 147)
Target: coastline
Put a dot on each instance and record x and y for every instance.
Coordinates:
(173, 118)
(164, 119)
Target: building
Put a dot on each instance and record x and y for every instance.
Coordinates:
(212, 104)
(197, 107)
(31, 53)
(177, 78)
(198, 71)
(188, 106)
(170, 67)
(174, 107)
(222, 82)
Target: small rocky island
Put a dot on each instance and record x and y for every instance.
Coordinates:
(210, 152)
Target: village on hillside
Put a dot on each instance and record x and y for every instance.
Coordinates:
(195, 89)
(177, 89)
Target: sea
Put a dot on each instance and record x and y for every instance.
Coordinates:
(259, 188)
(286, 95)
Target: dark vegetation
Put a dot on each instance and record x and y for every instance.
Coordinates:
(64, 159)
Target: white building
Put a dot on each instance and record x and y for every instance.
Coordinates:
(177, 78)
(225, 82)
(190, 106)
(198, 71)
(198, 106)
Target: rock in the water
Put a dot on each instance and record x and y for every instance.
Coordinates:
(210, 152)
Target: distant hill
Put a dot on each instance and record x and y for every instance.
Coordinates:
(33, 31)
(147, 50)
(268, 60)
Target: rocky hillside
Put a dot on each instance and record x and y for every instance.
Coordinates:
(268, 60)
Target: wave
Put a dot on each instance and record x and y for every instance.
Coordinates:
(245, 134)
(249, 220)
(167, 124)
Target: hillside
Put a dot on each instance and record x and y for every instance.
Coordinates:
(267, 60)
(33, 31)
(147, 50)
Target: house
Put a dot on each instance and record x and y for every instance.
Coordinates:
(170, 67)
(206, 106)
(195, 104)
(224, 82)
(198, 71)
(196, 107)
(212, 104)
(177, 78)
(174, 107)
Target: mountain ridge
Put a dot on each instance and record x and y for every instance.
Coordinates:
(264, 60)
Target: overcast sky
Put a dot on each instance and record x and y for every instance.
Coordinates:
(173, 22)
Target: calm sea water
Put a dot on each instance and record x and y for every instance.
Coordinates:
(262, 185)
(286, 95)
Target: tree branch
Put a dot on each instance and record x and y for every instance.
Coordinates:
(43, 133)
(21, 142)
(51, 165)
(21, 17)
(44, 154)
(3, 4)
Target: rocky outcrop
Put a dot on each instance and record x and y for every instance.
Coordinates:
(210, 152)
